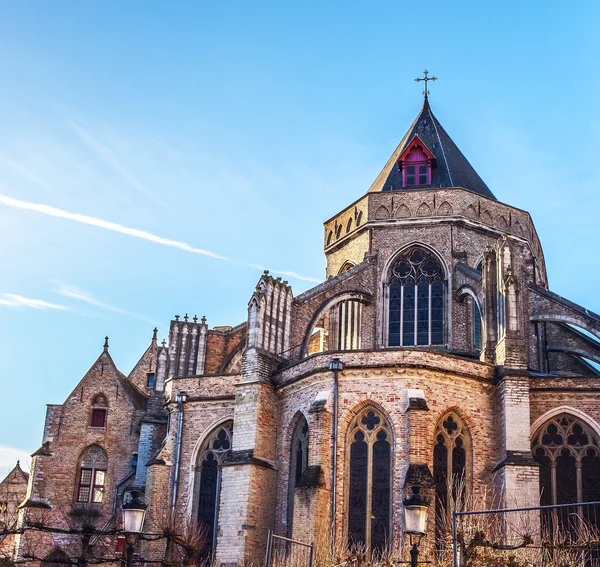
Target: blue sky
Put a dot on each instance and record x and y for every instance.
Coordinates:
(228, 132)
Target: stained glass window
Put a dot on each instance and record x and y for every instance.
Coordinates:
(298, 464)
(92, 475)
(369, 490)
(449, 470)
(416, 300)
(214, 450)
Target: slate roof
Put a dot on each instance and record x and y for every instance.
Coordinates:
(451, 168)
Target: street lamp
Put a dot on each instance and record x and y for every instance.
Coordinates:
(134, 513)
(415, 521)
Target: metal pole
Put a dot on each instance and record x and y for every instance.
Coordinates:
(310, 556)
(269, 545)
(454, 546)
(414, 555)
(334, 456)
(129, 552)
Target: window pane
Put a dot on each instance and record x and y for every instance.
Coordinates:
(422, 169)
(84, 494)
(422, 179)
(98, 493)
(358, 490)
(476, 326)
(423, 314)
(208, 495)
(394, 316)
(410, 170)
(408, 328)
(380, 492)
(410, 180)
(99, 480)
(98, 417)
(86, 477)
(440, 476)
(437, 313)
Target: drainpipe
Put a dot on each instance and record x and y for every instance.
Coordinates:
(181, 397)
(335, 366)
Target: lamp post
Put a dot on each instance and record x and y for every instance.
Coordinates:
(415, 521)
(335, 365)
(134, 513)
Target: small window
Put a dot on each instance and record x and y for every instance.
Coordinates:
(92, 475)
(98, 417)
(150, 380)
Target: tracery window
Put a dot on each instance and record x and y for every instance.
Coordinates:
(569, 457)
(416, 300)
(214, 451)
(369, 485)
(476, 338)
(449, 469)
(92, 475)
(298, 464)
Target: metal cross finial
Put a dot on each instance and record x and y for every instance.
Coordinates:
(426, 78)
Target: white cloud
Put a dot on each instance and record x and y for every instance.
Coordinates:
(15, 300)
(9, 457)
(136, 233)
(79, 294)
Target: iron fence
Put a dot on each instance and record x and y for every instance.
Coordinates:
(560, 535)
(283, 551)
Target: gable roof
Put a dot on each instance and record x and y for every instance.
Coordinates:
(452, 169)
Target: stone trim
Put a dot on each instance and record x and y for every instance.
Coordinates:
(247, 457)
(516, 459)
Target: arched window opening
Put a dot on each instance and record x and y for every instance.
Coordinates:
(99, 411)
(92, 475)
(569, 457)
(337, 329)
(416, 300)
(58, 558)
(476, 317)
(450, 454)
(298, 464)
(369, 489)
(214, 451)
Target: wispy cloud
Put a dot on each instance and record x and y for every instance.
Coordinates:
(74, 292)
(136, 233)
(15, 300)
(106, 155)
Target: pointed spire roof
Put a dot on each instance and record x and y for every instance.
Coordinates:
(451, 169)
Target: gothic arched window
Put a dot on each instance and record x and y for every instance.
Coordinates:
(569, 457)
(92, 475)
(214, 450)
(298, 464)
(476, 334)
(450, 455)
(416, 300)
(369, 489)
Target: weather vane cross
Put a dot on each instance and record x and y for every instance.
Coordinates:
(425, 78)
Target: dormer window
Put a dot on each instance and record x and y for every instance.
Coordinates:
(416, 162)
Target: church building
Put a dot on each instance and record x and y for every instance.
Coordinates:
(433, 354)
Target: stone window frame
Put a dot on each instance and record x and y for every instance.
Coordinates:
(358, 300)
(385, 294)
(204, 448)
(95, 460)
(553, 451)
(354, 426)
(299, 424)
(464, 294)
(99, 408)
(463, 432)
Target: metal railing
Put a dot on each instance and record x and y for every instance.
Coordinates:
(289, 552)
(546, 536)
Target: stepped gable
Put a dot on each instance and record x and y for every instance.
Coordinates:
(450, 168)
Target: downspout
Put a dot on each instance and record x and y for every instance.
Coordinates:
(335, 365)
(181, 397)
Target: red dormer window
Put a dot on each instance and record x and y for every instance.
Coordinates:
(416, 162)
